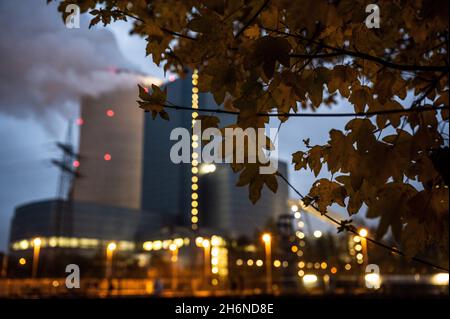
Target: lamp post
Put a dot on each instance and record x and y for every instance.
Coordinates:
(267, 239)
(206, 248)
(174, 249)
(109, 259)
(5, 266)
(36, 250)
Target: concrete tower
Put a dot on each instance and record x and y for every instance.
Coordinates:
(111, 150)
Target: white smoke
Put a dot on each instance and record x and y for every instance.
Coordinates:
(46, 67)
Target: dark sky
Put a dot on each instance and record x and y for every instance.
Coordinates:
(45, 68)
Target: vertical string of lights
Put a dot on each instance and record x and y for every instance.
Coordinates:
(301, 237)
(194, 162)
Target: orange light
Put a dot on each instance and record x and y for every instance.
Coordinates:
(37, 242)
(363, 232)
(107, 157)
(111, 247)
(333, 270)
(205, 243)
(110, 113)
(266, 238)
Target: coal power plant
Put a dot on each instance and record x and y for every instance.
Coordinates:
(120, 186)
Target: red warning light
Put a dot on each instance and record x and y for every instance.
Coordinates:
(110, 113)
(146, 90)
(79, 121)
(76, 164)
(107, 157)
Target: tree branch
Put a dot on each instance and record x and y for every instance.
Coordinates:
(359, 114)
(161, 28)
(356, 54)
(253, 18)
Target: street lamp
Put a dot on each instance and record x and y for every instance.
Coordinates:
(37, 242)
(174, 249)
(267, 239)
(206, 247)
(109, 258)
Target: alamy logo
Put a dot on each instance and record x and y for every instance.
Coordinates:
(373, 19)
(73, 17)
(372, 277)
(228, 145)
(73, 279)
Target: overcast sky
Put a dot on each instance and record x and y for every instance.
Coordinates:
(45, 68)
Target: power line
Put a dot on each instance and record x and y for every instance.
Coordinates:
(346, 225)
(350, 114)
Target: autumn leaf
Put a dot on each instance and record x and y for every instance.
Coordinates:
(269, 50)
(252, 32)
(154, 101)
